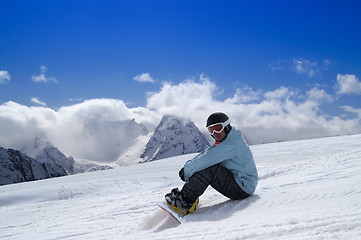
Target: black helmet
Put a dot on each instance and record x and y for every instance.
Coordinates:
(219, 117)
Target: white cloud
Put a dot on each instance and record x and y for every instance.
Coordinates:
(282, 114)
(38, 101)
(304, 66)
(278, 115)
(42, 77)
(319, 95)
(4, 77)
(348, 84)
(280, 93)
(300, 66)
(67, 127)
(353, 110)
(75, 99)
(144, 77)
(244, 95)
(43, 69)
(19, 124)
(188, 99)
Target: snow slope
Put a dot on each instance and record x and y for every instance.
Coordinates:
(308, 189)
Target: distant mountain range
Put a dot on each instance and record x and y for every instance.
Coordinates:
(41, 159)
(17, 167)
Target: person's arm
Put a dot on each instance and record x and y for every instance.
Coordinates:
(209, 157)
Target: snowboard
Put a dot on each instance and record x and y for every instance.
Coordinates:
(171, 212)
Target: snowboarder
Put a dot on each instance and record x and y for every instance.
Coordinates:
(228, 166)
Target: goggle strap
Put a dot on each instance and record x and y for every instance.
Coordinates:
(223, 123)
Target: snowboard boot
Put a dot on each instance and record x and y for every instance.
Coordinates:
(179, 203)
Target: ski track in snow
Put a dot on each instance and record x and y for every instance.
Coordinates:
(308, 189)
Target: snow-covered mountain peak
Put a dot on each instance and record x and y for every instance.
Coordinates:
(174, 136)
(107, 140)
(170, 122)
(45, 152)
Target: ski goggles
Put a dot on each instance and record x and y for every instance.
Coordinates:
(217, 127)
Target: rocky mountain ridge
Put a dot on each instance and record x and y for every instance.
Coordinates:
(17, 167)
(174, 137)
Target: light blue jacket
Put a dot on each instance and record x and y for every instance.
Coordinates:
(234, 154)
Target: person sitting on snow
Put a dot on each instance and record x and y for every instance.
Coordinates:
(228, 166)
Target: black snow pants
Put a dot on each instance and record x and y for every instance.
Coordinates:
(219, 177)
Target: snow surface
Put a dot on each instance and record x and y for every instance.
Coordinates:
(308, 189)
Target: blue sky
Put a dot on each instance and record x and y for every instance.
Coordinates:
(94, 49)
(284, 61)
